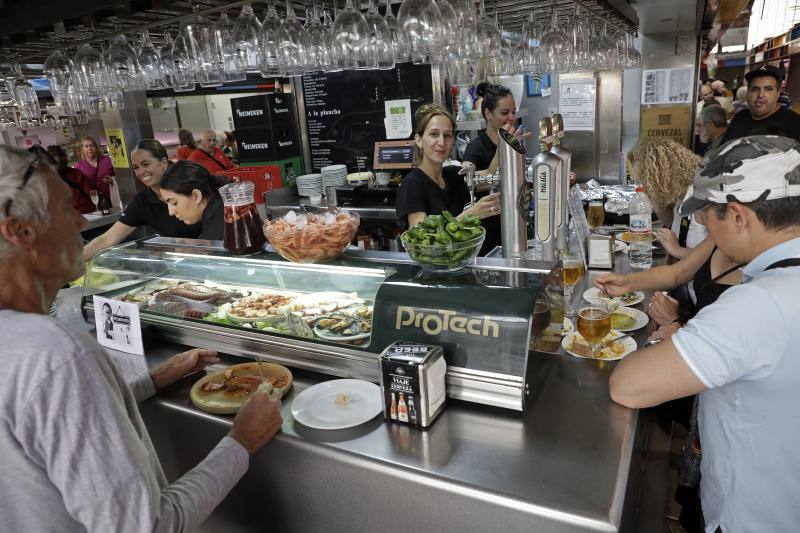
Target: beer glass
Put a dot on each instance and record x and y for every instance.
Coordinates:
(595, 214)
(572, 272)
(594, 322)
(541, 315)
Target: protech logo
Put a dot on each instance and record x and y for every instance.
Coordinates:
(255, 146)
(443, 320)
(249, 112)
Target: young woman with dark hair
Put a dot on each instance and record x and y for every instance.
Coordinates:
(192, 196)
(148, 208)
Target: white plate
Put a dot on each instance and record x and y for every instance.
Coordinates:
(628, 345)
(594, 294)
(641, 318)
(569, 327)
(316, 406)
(328, 337)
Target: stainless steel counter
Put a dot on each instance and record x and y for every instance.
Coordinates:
(573, 462)
(279, 201)
(98, 221)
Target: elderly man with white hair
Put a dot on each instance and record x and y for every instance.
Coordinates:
(209, 154)
(76, 454)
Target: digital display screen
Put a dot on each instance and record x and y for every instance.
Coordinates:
(394, 154)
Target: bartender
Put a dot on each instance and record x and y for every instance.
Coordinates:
(431, 188)
(498, 108)
(149, 161)
(192, 196)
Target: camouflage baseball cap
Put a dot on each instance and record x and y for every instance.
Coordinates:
(759, 167)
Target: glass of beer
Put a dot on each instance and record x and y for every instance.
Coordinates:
(572, 271)
(594, 322)
(541, 315)
(595, 214)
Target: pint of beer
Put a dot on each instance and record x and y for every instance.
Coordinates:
(595, 214)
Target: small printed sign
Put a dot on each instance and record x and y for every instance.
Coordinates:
(116, 148)
(117, 325)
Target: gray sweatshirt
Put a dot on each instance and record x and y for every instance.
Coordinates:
(74, 452)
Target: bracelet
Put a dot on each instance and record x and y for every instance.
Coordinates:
(652, 343)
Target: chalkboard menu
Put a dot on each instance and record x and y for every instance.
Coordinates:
(345, 110)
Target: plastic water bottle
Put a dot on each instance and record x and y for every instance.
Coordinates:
(641, 213)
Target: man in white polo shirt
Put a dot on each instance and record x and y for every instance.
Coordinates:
(742, 353)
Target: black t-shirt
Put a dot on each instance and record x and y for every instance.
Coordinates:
(480, 151)
(147, 210)
(782, 122)
(418, 192)
(213, 220)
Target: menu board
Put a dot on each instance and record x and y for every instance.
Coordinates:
(345, 110)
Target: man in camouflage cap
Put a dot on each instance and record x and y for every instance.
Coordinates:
(741, 353)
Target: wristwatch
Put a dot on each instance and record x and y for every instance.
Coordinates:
(652, 342)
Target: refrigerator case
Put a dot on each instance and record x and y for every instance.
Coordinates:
(481, 317)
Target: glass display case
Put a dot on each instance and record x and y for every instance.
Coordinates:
(333, 318)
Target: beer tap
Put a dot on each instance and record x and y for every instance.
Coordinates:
(473, 181)
(543, 173)
(513, 215)
(562, 184)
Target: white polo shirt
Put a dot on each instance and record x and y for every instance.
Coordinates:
(746, 349)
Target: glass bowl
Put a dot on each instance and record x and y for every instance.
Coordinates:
(312, 238)
(444, 258)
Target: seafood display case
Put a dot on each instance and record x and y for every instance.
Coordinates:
(334, 318)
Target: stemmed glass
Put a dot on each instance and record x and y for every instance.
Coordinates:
(594, 322)
(420, 23)
(25, 97)
(399, 50)
(318, 53)
(580, 33)
(380, 45)
(634, 57)
(247, 33)
(125, 72)
(270, 37)
(235, 66)
(487, 36)
(348, 37)
(572, 272)
(556, 48)
(291, 44)
(183, 67)
(95, 199)
(152, 66)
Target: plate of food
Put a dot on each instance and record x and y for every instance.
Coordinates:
(338, 404)
(225, 391)
(347, 325)
(574, 344)
(317, 304)
(628, 319)
(264, 307)
(629, 298)
(625, 236)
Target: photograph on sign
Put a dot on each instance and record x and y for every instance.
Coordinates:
(116, 148)
(117, 325)
(576, 104)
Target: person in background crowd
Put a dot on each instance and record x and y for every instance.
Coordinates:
(785, 100)
(740, 353)
(741, 99)
(764, 115)
(209, 154)
(73, 440)
(229, 146)
(431, 188)
(95, 166)
(187, 145)
(192, 196)
(665, 168)
(712, 124)
(78, 183)
(148, 207)
(720, 89)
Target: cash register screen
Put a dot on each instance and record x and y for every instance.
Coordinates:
(394, 154)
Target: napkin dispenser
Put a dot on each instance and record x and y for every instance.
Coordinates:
(601, 251)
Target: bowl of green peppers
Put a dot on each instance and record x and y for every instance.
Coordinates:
(443, 243)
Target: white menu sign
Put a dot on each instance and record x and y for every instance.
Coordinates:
(577, 104)
(667, 86)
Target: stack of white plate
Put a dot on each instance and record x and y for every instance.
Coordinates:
(334, 176)
(309, 185)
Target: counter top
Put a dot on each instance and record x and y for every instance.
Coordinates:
(96, 220)
(279, 201)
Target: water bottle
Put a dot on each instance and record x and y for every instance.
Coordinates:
(641, 212)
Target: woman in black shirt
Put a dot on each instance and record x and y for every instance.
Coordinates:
(432, 188)
(149, 162)
(192, 196)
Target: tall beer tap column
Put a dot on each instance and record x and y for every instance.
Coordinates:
(544, 171)
(562, 184)
(513, 229)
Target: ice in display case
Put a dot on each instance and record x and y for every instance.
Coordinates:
(333, 318)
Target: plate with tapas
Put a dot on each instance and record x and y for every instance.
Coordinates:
(226, 391)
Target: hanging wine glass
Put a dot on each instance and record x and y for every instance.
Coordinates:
(399, 50)
(90, 67)
(270, 37)
(349, 36)
(580, 32)
(183, 68)
(556, 48)
(318, 54)
(609, 47)
(327, 28)
(489, 41)
(530, 57)
(25, 97)
(58, 69)
(449, 23)
(203, 43)
(152, 66)
(6, 93)
(634, 57)
(247, 33)
(291, 44)
(235, 68)
(165, 53)
(123, 66)
(420, 24)
(597, 53)
(381, 49)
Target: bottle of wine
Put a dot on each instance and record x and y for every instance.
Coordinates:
(104, 205)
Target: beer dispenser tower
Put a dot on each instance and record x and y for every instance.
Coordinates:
(544, 172)
(562, 184)
(513, 228)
